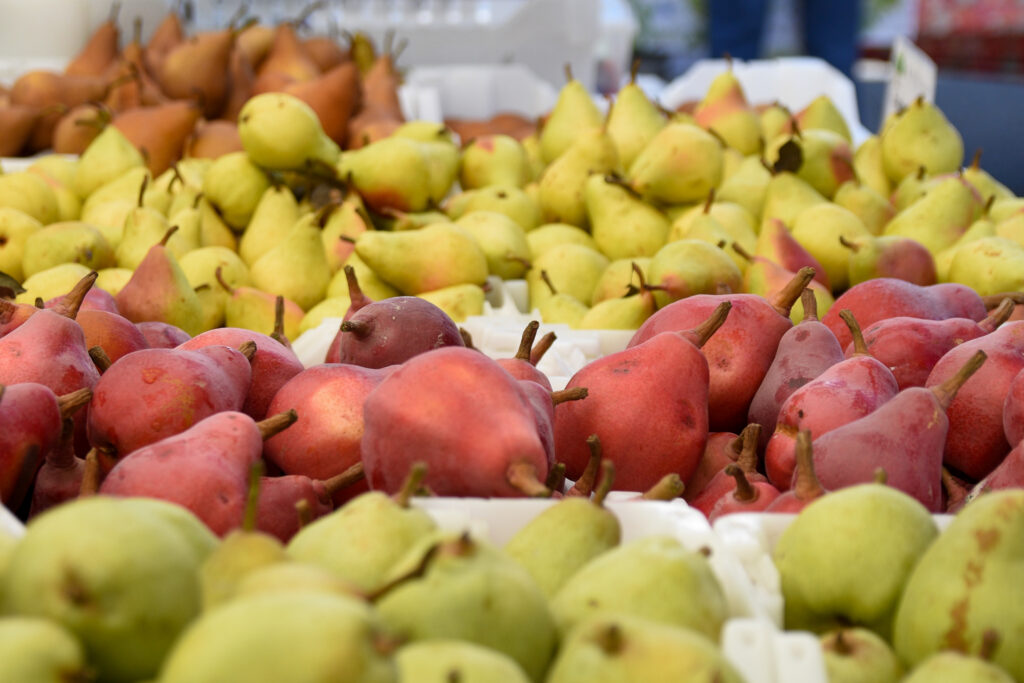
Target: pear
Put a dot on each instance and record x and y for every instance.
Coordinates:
(394, 172)
(512, 201)
(716, 222)
(982, 181)
(654, 578)
(911, 188)
(279, 577)
(544, 237)
(869, 167)
(331, 307)
(421, 260)
(621, 223)
(920, 135)
(819, 230)
(119, 575)
(775, 120)
(559, 307)
(725, 111)
(858, 580)
(616, 648)
(112, 280)
(892, 257)
(252, 309)
(871, 208)
(439, 151)
(457, 301)
(746, 186)
(342, 223)
(502, 240)
(273, 214)
(106, 157)
(70, 242)
(682, 163)
(633, 120)
(690, 266)
(983, 227)
(440, 661)
(988, 265)
(60, 167)
(364, 539)
(281, 132)
(130, 185)
(619, 278)
(109, 218)
(144, 227)
(40, 650)
(393, 219)
(235, 185)
(857, 655)
(213, 231)
(371, 284)
(200, 267)
(15, 228)
(51, 283)
(299, 636)
(573, 269)
(821, 113)
(826, 158)
(296, 268)
(494, 160)
(30, 194)
(574, 113)
(939, 218)
(950, 666)
(787, 196)
(561, 187)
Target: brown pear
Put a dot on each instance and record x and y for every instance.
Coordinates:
(101, 49)
(334, 96)
(159, 132)
(212, 139)
(241, 82)
(287, 62)
(198, 69)
(325, 52)
(165, 37)
(53, 94)
(135, 86)
(79, 127)
(16, 122)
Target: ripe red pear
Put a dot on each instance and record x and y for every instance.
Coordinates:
(162, 335)
(522, 365)
(722, 448)
(60, 477)
(31, 421)
(746, 496)
(1013, 410)
(115, 334)
(279, 512)
(806, 486)
(722, 482)
(1009, 474)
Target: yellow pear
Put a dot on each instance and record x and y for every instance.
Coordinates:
(296, 268)
(682, 163)
(421, 260)
(15, 228)
(276, 211)
(562, 185)
(573, 114)
(633, 120)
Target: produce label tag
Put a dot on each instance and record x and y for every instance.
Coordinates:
(914, 75)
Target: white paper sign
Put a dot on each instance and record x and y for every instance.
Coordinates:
(914, 75)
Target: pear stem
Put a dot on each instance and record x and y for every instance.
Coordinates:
(840, 645)
(252, 497)
(880, 476)
(547, 280)
(142, 190)
(993, 300)
(706, 329)
(634, 69)
(219, 275)
(350, 476)
(360, 328)
(467, 338)
(100, 358)
(989, 642)
(610, 640)
(278, 334)
(955, 489)
(69, 305)
(522, 475)
(852, 246)
(788, 295)
(570, 394)
(91, 475)
(69, 403)
(417, 472)
(709, 201)
(167, 235)
(305, 512)
(946, 392)
(747, 459)
(860, 347)
(921, 172)
(556, 477)
(976, 160)
(248, 349)
(744, 492)
(988, 204)
(355, 293)
(998, 315)
(806, 487)
(541, 347)
(619, 182)
(669, 487)
(584, 485)
(738, 248)
(526, 341)
(568, 72)
(810, 304)
(605, 484)
(275, 424)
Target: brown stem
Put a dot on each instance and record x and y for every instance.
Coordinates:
(252, 496)
(527, 263)
(100, 358)
(417, 472)
(305, 512)
(989, 642)
(747, 459)
(956, 490)
(167, 235)
(570, 394)
(787, 296)
(91, 475)
(142, 191)
(860, 347)
(62, 456)
(547, 280)
(921, 172)
(350, 476)
(744, 492)
(880, 476)
(278, 334)
(976, 160)
(988, 205)
(995, 300)
(605, 484)
(634, 69)
(248, 349)
(624, 185)
(946, 392)
(467, 338)
(526, 341)
(275, 424)
(541, 347)
(840, 645)
(219, 275)
(69, 403)
(584, 485)
(669, 487)
(707, 328)
(610, 640)
(355, 293)
(852, 246)
(709, 201)
(523, 476)
(738, 248)
(568, 72)
(556, 477)
(806, 485)
(71, 302)
(360, 328)
(810, 304)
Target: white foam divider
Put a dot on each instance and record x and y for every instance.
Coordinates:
(9, 524)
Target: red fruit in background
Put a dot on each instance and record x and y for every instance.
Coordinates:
(522, 365)
(722, 482)
(277, 513)
(722, 448)
(95, 299)
(1013, 410)
(31, 421)
(746, 496)
(163, 335)
(116, 335)
(806, 486)
(12, 315)
(60, 477)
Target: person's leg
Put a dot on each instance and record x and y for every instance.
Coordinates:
(831, 28)
(736, 27)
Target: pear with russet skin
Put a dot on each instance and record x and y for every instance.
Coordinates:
(725, 111)
(494, 160)
(682, 163)
(502, 240)
(562, 186)
(544, 237)
(871, 208)
(621, 223)
(235, 185)
(275, 212)
(619, 278)
(573, 114)
(633, 120)
(514, 202)
(296, 268)
(747, 185)
(920, 135)
(573, 269)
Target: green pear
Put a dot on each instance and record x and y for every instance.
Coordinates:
(441, 661)
(502, 240)
(369, 281)
(145, 227)
(393, 172)
(274, 213)
(682, 163)
(40, 650)
(988, 265)
(573, 114)
(235, 185)
(15, 228)
(135, 185)
(281, 132)
(619, 648)
(440, 152)
(746, 186)
(29, 193)
(826, 158)
(1005, 208)
(397, 221)
(632, 121)
(494, 160)
(253, 309)
(715, 222)
(1012, 228)
(869, 168)
(109, 218)
(623, 225)
(821, 113)
(786, 197)
(421, 260)
(561, 187)
(572, 268)
(654, 578)
(619, 278)
(819, 229)
(331, 307)
(300, 636)
(561, 308)
(457, 301)
(296, 268)
(562, 538)
(213, 231)
(871, 208)
(60, 167)
(725, 111)
(939, 218)
(983, 227)
(542, 238)
(71, 242)
(465, 589)
(950, 666)
(857, 655)
(288, 576)
(775, 120)
(986, 185)
(51, 283)
(920, 135)
(200, 268)
(342, 224)
(689, 266)
(364, 539)
(109, 155)
(858, 579)
(121, 578)
(911, 188)
(112, 280)
(514, 202)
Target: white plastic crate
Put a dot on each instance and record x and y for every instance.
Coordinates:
(9, 524)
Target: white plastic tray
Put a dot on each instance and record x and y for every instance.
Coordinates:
(9, 524)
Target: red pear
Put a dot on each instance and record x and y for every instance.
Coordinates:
(747, 496)
(722, 448)
(522, 365)
(115, 334)
(722, 482)
(1013, 410)
(776, 243)
(543, 402)
(277, 514)
(31, 428)
(95, 299)
(60, 477)
(162, 335)
(1009, 474)
(806, 486)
